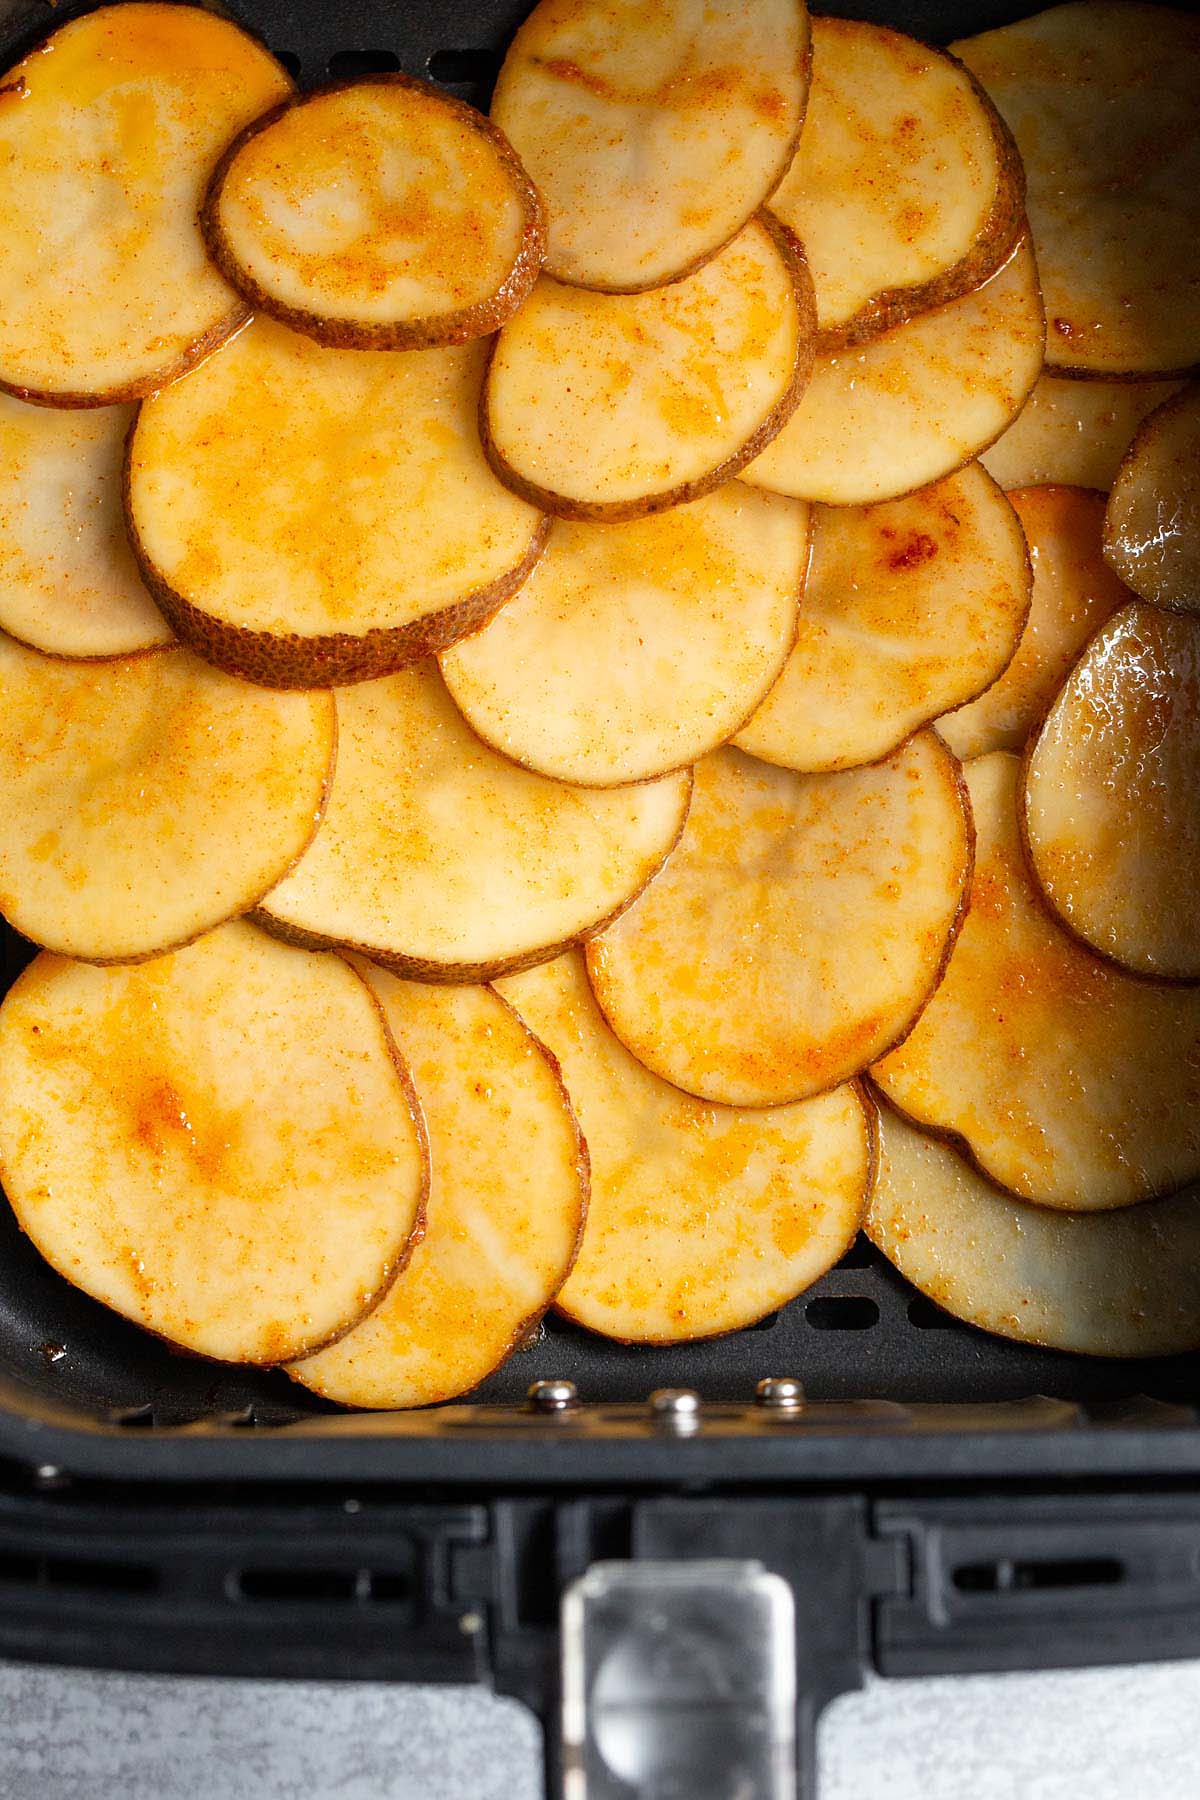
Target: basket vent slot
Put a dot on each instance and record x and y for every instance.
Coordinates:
(860, 1255)
(842, 1312)
(1007, 1574)
(463, 68)
(348, 65)
(289, 1585)
(290, 61)
(85, 1575)
(927, 1316)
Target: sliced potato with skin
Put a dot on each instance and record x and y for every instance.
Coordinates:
(908, 606)
(1073, 432)
(702, 1218)
(1071, 1083)
(444, 861)
(1152, 526)
(221, 1144)
(800, 926)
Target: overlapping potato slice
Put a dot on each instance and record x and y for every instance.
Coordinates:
(1073, 432)
(800, 926)
(1152, 526)
(1072, 1083)
(108, 135)
(1103, 98)
(654, 128)
(633, 649)
(702, 1218)
(608, 406)
(305, 515)
(909, 606)
(447, 862)
(221, 1143)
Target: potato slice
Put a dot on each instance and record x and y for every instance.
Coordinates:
(1073, 593)
(1073, 432)
(882, 419)
(800, 926)
(1103, 98)
(446, 862)
(1122, 1283)
(1111, 804)
(1152, 526)
(632, 649)
(906, 189)
(1071, 1083)
(655, 130)
(221, 1144)
(145, 799)
(108, 135)
(702, 1218)
(306, 516)
(507, 1199)
(608, 406)
(910, 606)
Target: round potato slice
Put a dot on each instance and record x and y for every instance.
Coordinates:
(1071, 1083)
(221, 1144)
(910, 606)
(608, 406)
(1073, 432)
(307, 516)
(1152, 526)
(1111, 810)
(1103, 98)
(446, 862)
(702, 1218)
(507, 1199)
(145, 799)
(800, 926)
(655, 128)
(633, 649)
(108, 135)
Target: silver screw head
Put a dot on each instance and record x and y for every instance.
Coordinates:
(552, 1396)
(780, 1393)
(675, 1409)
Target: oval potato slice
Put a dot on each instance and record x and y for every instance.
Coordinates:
(1111, 803)
(1073, 432)
(1152, 526)
(306, 516)
(108, 135)
(802, 921)
(608, 406)
(507, 1199)
(446, 862)
(633, 649)
(1071, 1083)
(702, 1218)
(908, 606)
(221, 1144)
(654, 128)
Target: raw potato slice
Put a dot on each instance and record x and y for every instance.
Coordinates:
(702, 1218)
(1073, 432)
(1112, 795)
(632, 649)
(1152, 527)
(608, 406)
(1071, 1083)
(1103, 98)
(447, 862)
(108, 135)
(68, 581)
(906, 189)
(800, 926)
(145, 799)
(1110, 1284)
(221, 1144)
(507, 1198)
(909, 607)
(654, 128)
(885, 418)
(379, 213)
(306, 516)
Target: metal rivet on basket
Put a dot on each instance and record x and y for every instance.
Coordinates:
(553, 1396)
(675, 1409)
(780, 1393)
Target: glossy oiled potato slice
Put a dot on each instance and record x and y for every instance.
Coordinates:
(1073, 432)
(220, 1144)
(702, 1218)
(1152, 526)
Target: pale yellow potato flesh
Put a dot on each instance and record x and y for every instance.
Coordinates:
(446, 861)
(1071, 1083)
(909, 607)
(1103, 98)
(702, 1218)
(633, 649)
(1111, 804)
(1152, 526)
(1073, 432)
(797, 930)
(654, 128)
(220, 1144)
(108, 135)
(507, 1200)
(146, 799)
